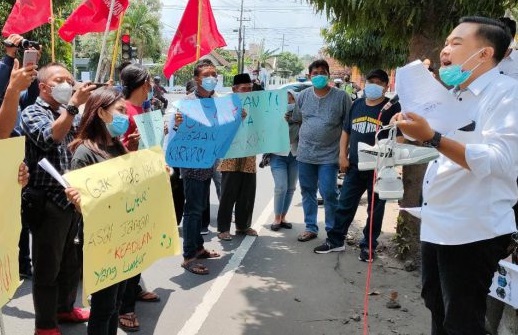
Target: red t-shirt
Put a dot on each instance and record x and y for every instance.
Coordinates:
(131, 111)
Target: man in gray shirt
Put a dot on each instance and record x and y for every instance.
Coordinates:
(322, 109)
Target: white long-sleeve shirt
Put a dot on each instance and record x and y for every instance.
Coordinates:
(462, 206)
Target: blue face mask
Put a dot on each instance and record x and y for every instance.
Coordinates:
(119, 125)
(373, 91)
(319, 81)
(453, 75)
(209, 83)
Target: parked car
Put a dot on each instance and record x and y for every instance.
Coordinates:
(297, 86)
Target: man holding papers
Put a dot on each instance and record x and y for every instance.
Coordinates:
(469, 191)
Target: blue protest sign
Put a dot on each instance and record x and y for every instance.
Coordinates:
(208, 127)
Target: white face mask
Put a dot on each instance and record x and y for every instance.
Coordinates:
(62, 92)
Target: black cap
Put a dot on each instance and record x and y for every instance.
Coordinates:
(379, 74)
(242, 78)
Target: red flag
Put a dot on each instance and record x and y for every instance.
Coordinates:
(183, 48)
(92, 17)
(27, 15)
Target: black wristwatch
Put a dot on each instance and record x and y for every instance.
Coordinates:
(72, 110)
(435, 141)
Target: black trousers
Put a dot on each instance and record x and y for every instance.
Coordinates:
(56, 267)
(456, 281)
(104, 314)
(237, 188)
(129, 297)
(178, 194)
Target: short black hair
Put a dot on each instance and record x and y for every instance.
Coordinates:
(510, 24)
(319, 63)
(493, 32)
(241, 78)
(201, 64)
(378, 74)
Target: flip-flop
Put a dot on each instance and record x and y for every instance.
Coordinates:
(247, 232)
(225, 236)
(196, 268)
(147, 296)
(306, 236)
(286, 225)
(205, 254)
(131, 318)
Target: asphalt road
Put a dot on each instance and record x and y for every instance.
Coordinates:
(270, 284)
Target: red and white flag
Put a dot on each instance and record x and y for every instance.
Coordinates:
(183, 48)
(27, 15)
(92, 17)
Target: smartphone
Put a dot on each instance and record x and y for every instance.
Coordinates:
(99, 85)
(30, 57)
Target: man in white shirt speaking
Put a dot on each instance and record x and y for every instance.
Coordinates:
(469, 191)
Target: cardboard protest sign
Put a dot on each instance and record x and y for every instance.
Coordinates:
(12, 150)
(264, 129)
(151, 129)
(208, 128)
(128, 214)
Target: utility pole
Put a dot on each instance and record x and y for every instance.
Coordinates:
(282, 46)
(241, 50)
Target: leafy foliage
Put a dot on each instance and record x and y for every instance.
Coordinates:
(289, 63)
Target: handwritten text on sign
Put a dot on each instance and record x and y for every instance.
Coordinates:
(12, 150)
(128, 214)
(264, 129)
(208, 127)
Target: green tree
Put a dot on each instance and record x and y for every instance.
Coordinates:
(265, 57)
(411, 30)
(289, 63)
(144, 28)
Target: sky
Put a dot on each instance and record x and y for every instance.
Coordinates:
(267, 19)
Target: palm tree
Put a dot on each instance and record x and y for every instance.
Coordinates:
(265, 57)
(144, 29)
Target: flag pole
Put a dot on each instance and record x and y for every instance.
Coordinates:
(116, 46)
(198, 35)
(52, 40)
(105, 37)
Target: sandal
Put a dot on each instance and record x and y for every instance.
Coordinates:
(196, 268)
(306, 236)
(247, 232)
(275, 226)
(147, 296)
(286, 225)
(128, 322)
(205, 254)
(225, 236)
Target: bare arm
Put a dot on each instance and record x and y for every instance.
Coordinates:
(344, 152)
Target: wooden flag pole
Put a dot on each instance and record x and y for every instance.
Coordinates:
(52, 40)
(198, 35)
(103, 46)
(116, 46)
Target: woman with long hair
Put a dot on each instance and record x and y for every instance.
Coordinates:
(104, 120)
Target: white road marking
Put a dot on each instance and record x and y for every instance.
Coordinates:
(195, 322)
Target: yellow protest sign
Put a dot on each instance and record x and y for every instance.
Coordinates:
(128, 214)
(12, 150)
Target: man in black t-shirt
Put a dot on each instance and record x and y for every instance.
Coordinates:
(364, 119)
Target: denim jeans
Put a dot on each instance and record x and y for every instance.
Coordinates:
(285, 174)
(195, 202)
(355, 184)
(456, 281)
(322, 177)
(104, 314)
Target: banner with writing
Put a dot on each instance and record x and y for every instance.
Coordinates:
(129, 218)
(264, 128)
(13, 151)
(208, 128)
(151, 129)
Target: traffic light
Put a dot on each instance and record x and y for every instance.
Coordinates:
(126, 47)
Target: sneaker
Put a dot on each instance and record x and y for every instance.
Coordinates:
(76, 315)
(327, 248)
(389, 184)
(393, 153)
(204, 231)
(364, 255)
(53, 331)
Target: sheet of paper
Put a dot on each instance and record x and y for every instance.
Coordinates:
(151, 128)
(414, 211)
(421, 93)
(45, 165)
